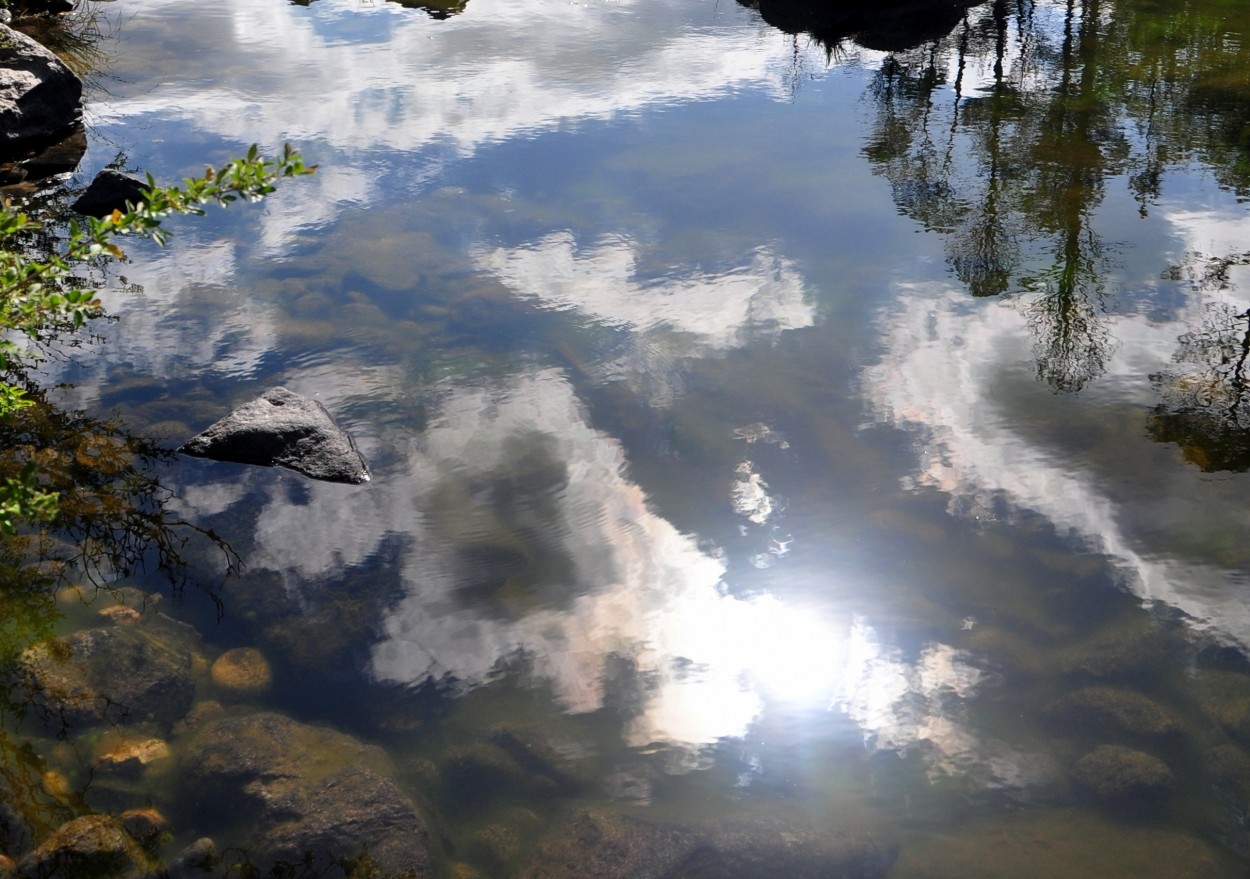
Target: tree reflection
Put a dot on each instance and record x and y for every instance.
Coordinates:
(436, 9)
(887, 25)
(1003, 135)
(110, 523)
(1205, 406)
(1011, 172)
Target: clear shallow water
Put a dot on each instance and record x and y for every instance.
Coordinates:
(776, 430)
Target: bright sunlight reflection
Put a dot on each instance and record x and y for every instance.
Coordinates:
(729, 657)
(789, 654)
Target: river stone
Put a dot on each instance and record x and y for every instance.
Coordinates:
(1117, 774)
(119, 674)
(196, 861)
(146, 825)
(110, 190)
(599, 845)
(561, 764)
(1225, 697)
(40, 98)
(1110, 709)
(90, 846)
(1128, 651)
(243, 670)
(282, 428)
(131, 756)
(306, 792)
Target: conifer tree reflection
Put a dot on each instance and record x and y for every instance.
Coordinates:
(1012, 172)
(1205, 406)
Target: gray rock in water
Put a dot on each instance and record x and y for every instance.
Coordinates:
(40, 98)
(109, 191)
(283, 429)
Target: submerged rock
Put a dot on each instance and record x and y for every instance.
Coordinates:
(479, 770)
(1116, 774)
(196, 861)
(90, 846)
(119, 674)
(243, 670)
(608, 846)
(1050, 843)
(1229, 766)
(1109, 709)
(145, 825)
(533, 750)
(306, 793)
(40, 98)
(132, 756)
(283, 429)
(60, 157)
(1135, 650)
(1225, 697)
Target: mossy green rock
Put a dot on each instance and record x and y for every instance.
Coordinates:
(1125, 651)
(1053, 843)
(602, 845)
(1229, 766)
(1117, 711)
(306, 794)
(118, 674)
(1112, 773)
(1225, 697)
(90, 847)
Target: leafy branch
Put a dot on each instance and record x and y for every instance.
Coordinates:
(39, 294)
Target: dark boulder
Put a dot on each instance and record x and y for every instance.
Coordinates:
(40, 98)
(109, 191)
(282, 428)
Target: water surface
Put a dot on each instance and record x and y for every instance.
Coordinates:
(779, 423)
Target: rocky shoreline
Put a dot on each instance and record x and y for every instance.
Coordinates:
(41, 109)
(175, 739)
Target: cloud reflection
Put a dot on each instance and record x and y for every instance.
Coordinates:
(951, 375)
(530, 546)
(717, 311)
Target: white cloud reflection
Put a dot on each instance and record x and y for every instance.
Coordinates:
(948, 375)
(716, 311)
(404, 82)
(514, 472)
(681, 314)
